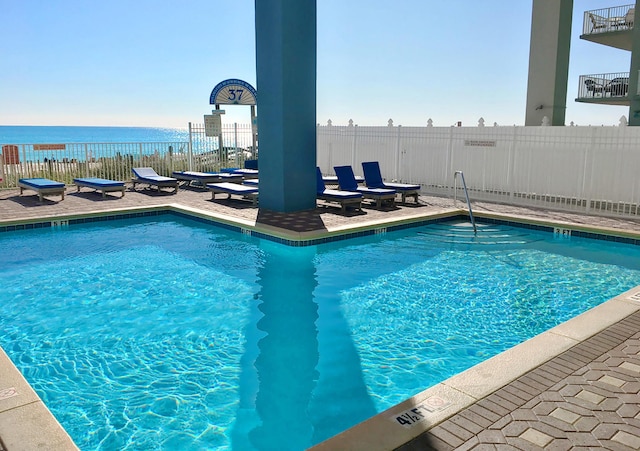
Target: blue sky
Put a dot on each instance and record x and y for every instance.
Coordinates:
(155, 62)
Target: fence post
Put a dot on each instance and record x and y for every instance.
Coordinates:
(235, 142)
(330, 151)
(190, 149)
(511, 162)
(24, 162)
(449, 169)
(86, 160)
(396, 169)
(588, 167)
(353, 146)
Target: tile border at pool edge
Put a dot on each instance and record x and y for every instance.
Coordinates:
(382, 432)
(338, 233)
(577, 229)
(273, 233)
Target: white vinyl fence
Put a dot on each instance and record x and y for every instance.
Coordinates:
(586, 169)
(65, 161)
(582, 169)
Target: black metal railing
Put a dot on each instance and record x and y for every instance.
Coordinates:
(604, 85)
(616, 18)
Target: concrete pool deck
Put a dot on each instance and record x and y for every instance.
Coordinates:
(573, 387)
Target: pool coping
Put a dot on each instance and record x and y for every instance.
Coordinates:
(23, 413)
(338, 232)
(446, 399)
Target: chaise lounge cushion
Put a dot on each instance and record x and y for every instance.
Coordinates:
(97, 183)
(148, 174)
(42, 186)
(41, 183)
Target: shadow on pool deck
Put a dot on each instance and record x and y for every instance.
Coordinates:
(585, 395)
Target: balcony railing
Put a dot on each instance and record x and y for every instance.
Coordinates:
(616, 18)
(604, 86)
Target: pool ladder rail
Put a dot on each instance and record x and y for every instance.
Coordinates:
(466, 194)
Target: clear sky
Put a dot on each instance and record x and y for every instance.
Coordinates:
(155, 62)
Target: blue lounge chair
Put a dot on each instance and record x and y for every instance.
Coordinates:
(98, 184)
(344, 198)
(202, 178)
(246, 191)
(373, 179)
(347, 182)
(44, 187)
(149, 177)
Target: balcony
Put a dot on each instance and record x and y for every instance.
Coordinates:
(607, 89)
(611, 26)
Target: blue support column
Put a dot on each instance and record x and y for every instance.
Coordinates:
(286, 85)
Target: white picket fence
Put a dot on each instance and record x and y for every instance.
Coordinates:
(582, 169)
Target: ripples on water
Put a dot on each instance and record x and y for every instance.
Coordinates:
(176, 335)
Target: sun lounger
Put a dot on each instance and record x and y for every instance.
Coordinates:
(44, 187)
(98, 184)
(347, 182)
(202, 178)
(373, 179)
(247, 192)
(344, 198)
(149, 177)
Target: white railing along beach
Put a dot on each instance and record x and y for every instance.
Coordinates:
(582, 169)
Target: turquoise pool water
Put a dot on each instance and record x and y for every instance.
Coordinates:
(167, 333)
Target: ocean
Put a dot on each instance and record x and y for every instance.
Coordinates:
(27, 134)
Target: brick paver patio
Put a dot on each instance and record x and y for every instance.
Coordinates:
(586, 398)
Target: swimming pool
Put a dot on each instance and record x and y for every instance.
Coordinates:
(171, 333)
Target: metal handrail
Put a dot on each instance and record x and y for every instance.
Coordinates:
(466, 194)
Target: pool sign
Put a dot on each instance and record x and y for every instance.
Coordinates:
(233, 92)
(213, 123)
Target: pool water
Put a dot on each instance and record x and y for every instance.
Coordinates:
(173, 334)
